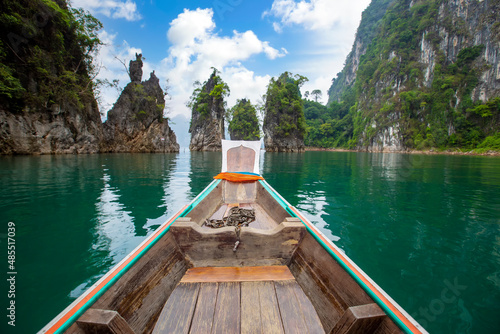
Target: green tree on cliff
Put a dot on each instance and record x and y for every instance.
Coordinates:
(284, 108)
(243, 121)
(212, 90)
(46, 54)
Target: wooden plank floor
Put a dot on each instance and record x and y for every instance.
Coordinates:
(241, 306)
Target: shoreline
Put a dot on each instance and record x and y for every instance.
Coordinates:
(425, 152)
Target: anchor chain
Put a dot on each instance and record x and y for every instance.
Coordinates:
(237, 217)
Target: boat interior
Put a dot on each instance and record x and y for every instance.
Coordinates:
(271, 276)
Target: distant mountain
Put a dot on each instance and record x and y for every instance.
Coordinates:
(421, 74)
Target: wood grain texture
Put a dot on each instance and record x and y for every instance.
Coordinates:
(311, 318)
(227, 310)
(238, 192)
(207, 206)
(291, 315)
(359, 319)
(269, 204)
(139, 295)
(214, 247)
(326, 304)
(251, 322)
(237, 274)
(176, 316)
(269, 309)
(203, 317)
(103, 322)
(240, 159)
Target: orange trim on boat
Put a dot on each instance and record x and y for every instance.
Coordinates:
(102, 284)
(238, 177)
(396, 312)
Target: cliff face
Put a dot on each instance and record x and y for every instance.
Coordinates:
(46, 99)
(207, 118)
(284, 122)
(367, 30)
(429, 76)
(60, 129)
(136, 123)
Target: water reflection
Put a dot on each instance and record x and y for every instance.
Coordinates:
(204, 166)
(136, 197)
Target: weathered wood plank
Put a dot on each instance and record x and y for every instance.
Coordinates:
(329, 309)
(359, 319)
(219, 213)
(203, 317)
(263, 220)
(178, 312)
(240, 159)
(269, 204)
(207, 206)
(311, 319)
(103, 322)
(387, 326)
(237, 274)
(250, 309)
(269, 310)
(293, 320)
(214, 247)
(237, 192)
(139, 295)
(227, 311)
(331, 273)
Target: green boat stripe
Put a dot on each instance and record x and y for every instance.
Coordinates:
(386, 309)
(91, 301)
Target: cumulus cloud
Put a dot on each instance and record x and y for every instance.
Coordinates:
(196, 47)
(314, 14)
(329, 27)
(111, 8)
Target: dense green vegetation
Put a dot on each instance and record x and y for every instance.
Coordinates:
(214, 89)
(441, 115)
(46, 53)
(284, 109)
(243, 121)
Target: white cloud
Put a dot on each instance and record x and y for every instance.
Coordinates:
(315, 14)
(196, 47)
(111, 8)
(329, 27)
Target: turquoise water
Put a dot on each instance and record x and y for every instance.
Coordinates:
(425, 228)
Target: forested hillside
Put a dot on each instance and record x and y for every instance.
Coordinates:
(47, 102)
(426, 75)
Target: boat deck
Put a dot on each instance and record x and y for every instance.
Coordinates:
(238, 300)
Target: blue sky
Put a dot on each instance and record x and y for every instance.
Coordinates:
(248, 41)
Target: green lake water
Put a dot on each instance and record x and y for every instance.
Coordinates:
(424, 228)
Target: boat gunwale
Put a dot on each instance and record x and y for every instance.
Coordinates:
(395, 312)
(80, 305)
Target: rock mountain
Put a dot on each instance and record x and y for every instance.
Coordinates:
(136, 122)
(207, 117)
(47, 103)
(422, 74)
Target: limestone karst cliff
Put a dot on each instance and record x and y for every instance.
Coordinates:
(207, 117)
(425, 75)
(136, 122)
(284, 122)
(47, 103)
